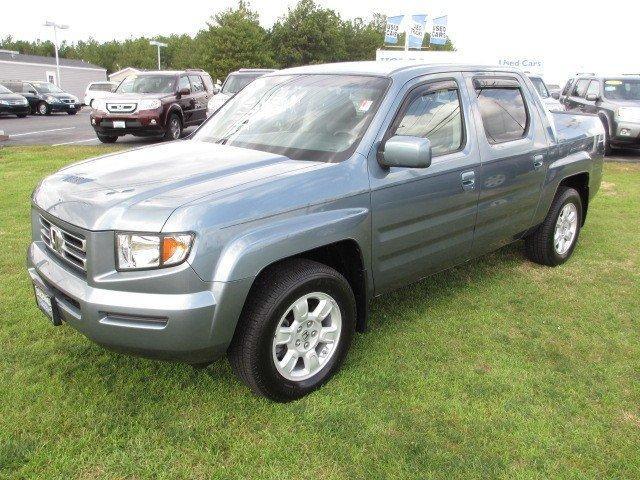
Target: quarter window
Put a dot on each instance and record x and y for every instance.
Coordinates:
(435, 115)
(504, 114)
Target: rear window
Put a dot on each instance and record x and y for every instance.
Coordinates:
(236, 82)
(504, 114)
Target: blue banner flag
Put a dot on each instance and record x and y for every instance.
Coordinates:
(439, 32)
(416, 30)
(391, 32)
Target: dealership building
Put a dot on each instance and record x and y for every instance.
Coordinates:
(75, 74)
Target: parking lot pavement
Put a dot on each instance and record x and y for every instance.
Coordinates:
(59, 129)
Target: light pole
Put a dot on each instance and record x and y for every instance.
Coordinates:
(159, 45)
(56, 26)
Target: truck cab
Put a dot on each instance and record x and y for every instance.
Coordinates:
(265, 235)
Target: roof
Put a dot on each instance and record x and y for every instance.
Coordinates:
(38, 60)
(389, 68)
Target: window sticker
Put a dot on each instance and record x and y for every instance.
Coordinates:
(613, 82)
(365, 105)
(609, 89)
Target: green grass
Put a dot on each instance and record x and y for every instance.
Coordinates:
(496, 369)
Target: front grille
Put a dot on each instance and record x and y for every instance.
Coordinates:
(71, 247)
(16, 102)
(67, 100)
(121, 107)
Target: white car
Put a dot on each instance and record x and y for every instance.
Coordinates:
(97, 90)
(234, 82)
(552, 104)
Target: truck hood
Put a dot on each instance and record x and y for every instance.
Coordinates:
(137, 190)
(129, 97)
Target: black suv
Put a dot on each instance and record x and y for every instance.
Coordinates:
(12, 103)
(616, 100)
(44, 97)
(153, 104)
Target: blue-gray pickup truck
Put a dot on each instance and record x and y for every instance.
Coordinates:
(266, 233)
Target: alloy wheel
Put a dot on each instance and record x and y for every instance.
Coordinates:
(566, 228)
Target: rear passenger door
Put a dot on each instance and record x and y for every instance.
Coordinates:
(513, 148)
(423, 218)
(200, 97)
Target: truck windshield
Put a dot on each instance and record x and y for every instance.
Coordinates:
(147, 84)
(622, 89)
(304, 117)
(540, 87)
(235, 82)
(4, 90)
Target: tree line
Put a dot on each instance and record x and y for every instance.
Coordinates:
(233, 39)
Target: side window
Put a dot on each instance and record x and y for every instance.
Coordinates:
(196, 83)
(433, 114)
(184, 83)
(504, 114)
(580, 88)
(594, 88)
(567, 87)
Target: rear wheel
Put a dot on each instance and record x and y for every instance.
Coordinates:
(553, 242)
(295, 330)
(107, 138)
(43, 109)
(174, 127)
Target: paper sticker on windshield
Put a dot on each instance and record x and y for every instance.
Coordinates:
(609, 89)
(613, 82)
(365, 105)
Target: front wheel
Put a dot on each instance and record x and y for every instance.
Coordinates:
(21, 115)
(295, 330)
(174, 127)
(72, 112)
(43, 109)
(553, 242)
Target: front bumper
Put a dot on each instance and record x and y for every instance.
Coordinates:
(14, 109)
(626, 132)
(140, 124)
(65, 107)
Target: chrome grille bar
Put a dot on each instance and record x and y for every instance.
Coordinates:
(71, 247)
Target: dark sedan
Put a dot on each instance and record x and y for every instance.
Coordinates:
(12, 103)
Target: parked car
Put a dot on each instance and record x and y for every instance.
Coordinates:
(148, 104)
(554, 90)
(616, 101)
(551, 103)
(98, 90)
(44, 97)
(235, 82)
(12, 103)
(266, 233)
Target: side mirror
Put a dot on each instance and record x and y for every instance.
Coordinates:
(184, 91)
(555, 95)
(592, 97)
(411, 152)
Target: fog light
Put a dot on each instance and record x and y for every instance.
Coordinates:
(93, 121)
(153, 121)
(625, 131)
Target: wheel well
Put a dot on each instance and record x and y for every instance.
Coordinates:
(579, 182)
(177, 110)
(345, 257)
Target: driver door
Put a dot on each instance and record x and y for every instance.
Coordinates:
(187, 102)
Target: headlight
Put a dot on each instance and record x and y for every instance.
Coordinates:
(25, 101)
(149, 104)
(629, 114)
(144, 251)
(4, 102)
(75, 99)
(51, 99)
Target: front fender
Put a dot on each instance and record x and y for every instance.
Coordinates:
(248, 254)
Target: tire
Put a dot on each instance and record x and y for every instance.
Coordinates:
(72, 113)
(173, 127)
(541, 246)
(43, 109)
(608, 150)
(21, 115)
(253, 352)
(107, 138)
(91, 103)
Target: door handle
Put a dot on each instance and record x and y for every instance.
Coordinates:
(468, 180)
(538, 161)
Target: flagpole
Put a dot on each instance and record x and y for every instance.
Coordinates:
(406, 37)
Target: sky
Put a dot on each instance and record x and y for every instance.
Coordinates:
(567, 36)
